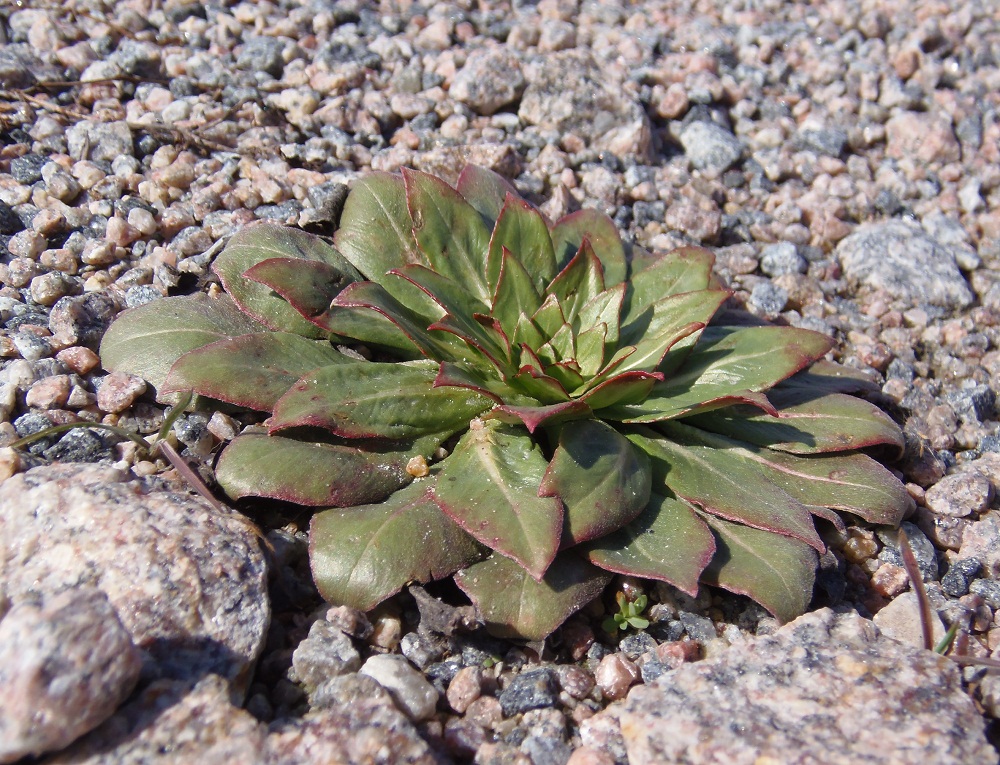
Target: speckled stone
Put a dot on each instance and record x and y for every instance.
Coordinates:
(829, 688)
(65, 666)
(64, 527)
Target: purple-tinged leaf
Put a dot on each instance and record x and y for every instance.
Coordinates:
(514, 605)
(515, 294)
(453, 374)
(311, 474)
(590, 348)
(371, 400)
(727, 362)
(741, 398)
(621, 389)
(686, 269)
(776, 571)
(375, 232)
(807, 423)
(432, 344)
(843, 481)
(449, 231)
(829, 377)
(570, 231)
(522, 230)
(602, 479)
(667, 542)
(362, 555)
(579, 282)
(263, 241)
(667, 321)
(550, 317)
(484, 190)
(532, 417)
(489, 486)
(309, 286)
(724, 482)
(538, 385)
(251, 370)
(146, 341)
(369, 327)
(527, 333)
(567, 374)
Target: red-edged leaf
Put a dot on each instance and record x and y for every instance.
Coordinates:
(486, 191)
(534, 416)
(623, 388)
(514, 605)
(724, 482)
(309, 286)
(807, 423)
(686, 269)
(251, 370)
(371, 400)
(570, 231)
(522, 230)
(602, 479)
(375, 232)
(449, 231)
(668, 542)
(362, 555)
(778, 572)
(515, 294)
(579, 282)
(311, 474)
(829, 377)
(489, 486)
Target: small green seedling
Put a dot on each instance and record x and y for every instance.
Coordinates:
(629, 615)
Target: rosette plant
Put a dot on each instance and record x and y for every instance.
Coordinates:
(469, 389)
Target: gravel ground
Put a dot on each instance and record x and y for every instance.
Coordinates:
(841, 158)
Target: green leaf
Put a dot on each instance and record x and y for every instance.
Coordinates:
(489, 486)
(666, 321)
(668, 542)
(309, 286)
(362, 555)
(375, 232)
(829, 377)
(146, 341)
(569, 232)
(725, 362)
(514, 605)
(724, 482)
(310, 474)
(807, 423)
(449, 231)
(590, 347)
(257, 243)
(372, 400)
(515, 295)
(532, 417)
(251, 370)
(522, 230)
(369, 327)
(602, 479)
(620, 389)
(537, 385)
(777, 572)
(579, 282)
(486, 191)
(686, 269)
(604, 308)
(549, 317)
(461, 309)
(852, 482)
(435, 345)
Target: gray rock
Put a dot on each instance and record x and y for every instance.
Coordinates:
(326, 652)
(768, 298)
(408, 687)
(923, 550)
(569, 93)
(710, 146)
(982, 542)
(10, 222)
(959, 576)
(782, 258)
(28, 169)
(65, 666)
(960, 495)
(828, 688)
(262, 54)
(173, 722)
(906, 262)
(188, 582)
(828, 141)
(99, 140)
(534, 689)
(490, 80)
(900, 619)
(988, 590)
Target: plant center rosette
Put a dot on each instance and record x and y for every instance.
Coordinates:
(545, 409)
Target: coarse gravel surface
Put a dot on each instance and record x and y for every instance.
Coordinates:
(841, 158)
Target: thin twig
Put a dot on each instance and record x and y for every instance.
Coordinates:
(917, 580)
